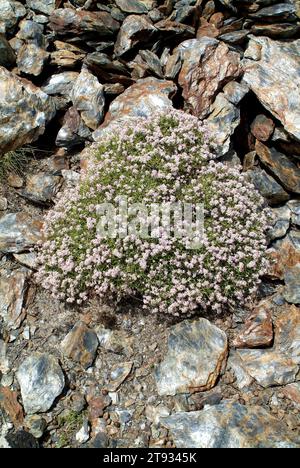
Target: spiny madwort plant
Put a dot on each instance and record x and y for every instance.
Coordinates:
(165, 160)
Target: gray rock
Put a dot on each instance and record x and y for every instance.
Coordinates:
(281, 11)
(36, 425)
(235, 364)
(61, 83)
(235, 92)
(292, 285)
(132, 6)
(265, 77)
(41, 380)
(276, 30)
(118, 374)
(268, 187)
(7, 54)
(281, 224)
(4, 363)
(81, 345)
(19, 232)
(3, 204)
(73, 131)
(83, 434)
(197, 352)
(31, 59)
(10, 14)
(88, 99)
(45, 7)
(228, 425)
(13, 287)
(222, 122)
(36, 109)
(27, 259)
(234, 37)
(294, 206)
(135, 30)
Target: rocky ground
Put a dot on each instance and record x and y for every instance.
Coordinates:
(95, 376)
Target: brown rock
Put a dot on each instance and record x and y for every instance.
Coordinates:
(284, 256)
(292, 392)
(15, 181)
(81, 345)
(207, 66)
(31, 59)
(284, 168)
(66, 21)
(262, 127)
(19, 232)
(13, 287)
(258, 329)
(9, 403)
(66, 55)
(207, 29)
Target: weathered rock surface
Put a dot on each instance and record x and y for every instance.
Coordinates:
(285, 254)
(228, 425)
(61, 83)
(88, 99)
(73, 131)
(36, 109)
(197, 352)
(282, 167)
(222, 122)
(262, 127)
(268, 187)
(139, 100)
(81, 345)
(45, 7)
(279, 63)
(10, 13)
(41, 380)
(134, 31)
(118, 374)
(207, 66)
(31, 59)
(132, 6)
(258, 329)
(19, 232)
(41, 187)
(13, 287)
(280, 365)
(281, 223)
(66, 21)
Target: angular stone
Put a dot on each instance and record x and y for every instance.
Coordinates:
(19, 232)
(265, 77)
(276, 31)
(281, 11)
(36, 109)
(152, 61)
(207, 29)
(228, 425)
(9, 403)
(3, 204)
(61, 83)
(45, 7)
(285, 255)
(31, 59)
(258, 329)
(27, 259)
(284, 168)
(118, 375)
(4, 363)
(292, 285)
(292, 392)
(132, 6)
(7, 54)
(262, 127)
(73, 132)
(234, 37)
(235, 92)
(267, 186)
(134, 31)
(207, 66)
(142, 99)
(235, 364)
(197, 352)
(173, 65)
(281, 223)
(66, 55)
(41, 187)
(88, 99)
(10, 14)
(13, 287)
(222, 122)
(174, 31)
(81, 345)
(280, 365)
(66, 21)
(41, 380)
(294, 206)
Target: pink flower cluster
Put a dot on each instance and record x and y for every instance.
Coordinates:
(167, 158)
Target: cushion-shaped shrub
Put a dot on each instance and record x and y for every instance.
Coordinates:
(166, 159)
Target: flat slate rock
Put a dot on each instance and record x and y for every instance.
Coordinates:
(229, 425)
(197, 352)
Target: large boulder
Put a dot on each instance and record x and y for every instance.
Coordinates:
(24, 111)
